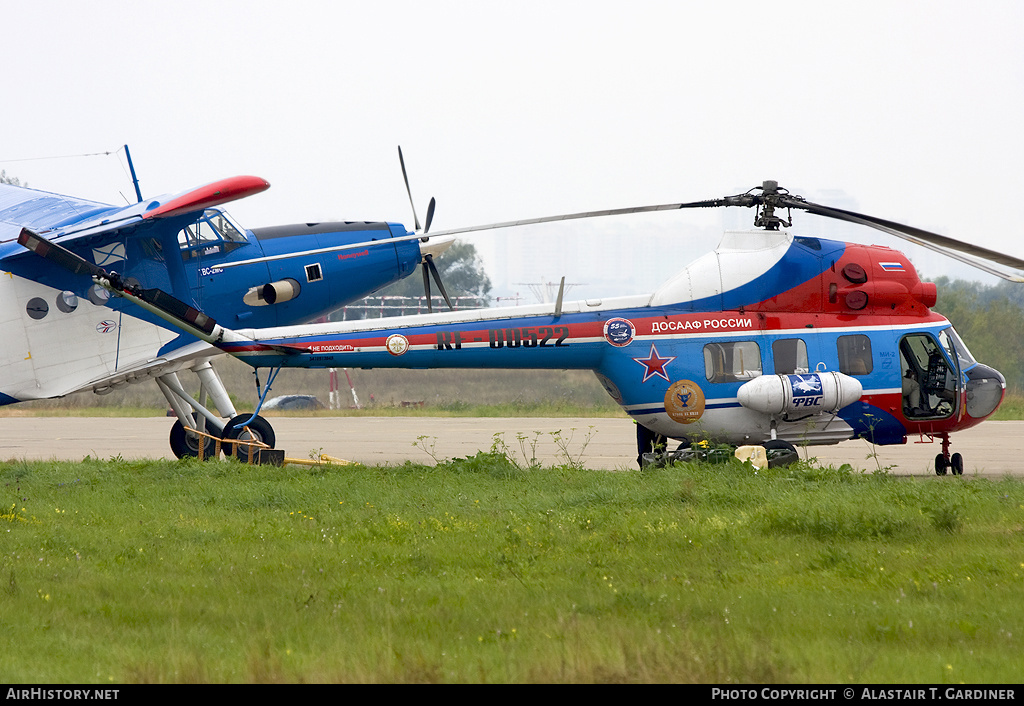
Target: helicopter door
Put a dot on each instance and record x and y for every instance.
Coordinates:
(931, 381)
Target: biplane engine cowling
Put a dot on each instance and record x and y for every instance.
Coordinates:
(809, 393)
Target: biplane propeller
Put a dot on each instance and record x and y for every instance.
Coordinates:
(429, 268)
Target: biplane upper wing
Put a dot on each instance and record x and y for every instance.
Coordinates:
(71, 221)
(42, 211)
(37, 227)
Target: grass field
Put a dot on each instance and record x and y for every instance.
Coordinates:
(486, 570)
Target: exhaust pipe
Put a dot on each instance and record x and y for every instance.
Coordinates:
(273, 293)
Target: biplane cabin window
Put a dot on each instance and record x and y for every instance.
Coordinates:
(212, 234)
(929, 379)
(314, 273)
(67, 301)
(790, 356)
(37, 308)
(855, 355)
(732, 361)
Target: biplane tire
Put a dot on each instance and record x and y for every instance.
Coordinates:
(941, 464)
(184, 444)
(956, 462)
(258, 429)
(780, 453)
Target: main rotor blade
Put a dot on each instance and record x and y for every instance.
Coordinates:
(933, 241)
(770, 197)
(58, 254)
(185, 317)
(740, 200)
(405, 176)
(429, 261)
(172, 306)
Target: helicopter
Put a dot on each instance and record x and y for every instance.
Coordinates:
(64, 333)
(773, 339)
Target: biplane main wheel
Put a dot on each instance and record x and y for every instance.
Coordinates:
(956, 462)
(258, 429)
(941, 464)
(184, 443)
(780, 453)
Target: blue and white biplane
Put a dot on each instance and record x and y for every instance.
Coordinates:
(64, 333)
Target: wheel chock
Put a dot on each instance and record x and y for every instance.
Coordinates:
(270, 457)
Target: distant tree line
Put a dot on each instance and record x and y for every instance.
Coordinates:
(14, 181)
(990, 320)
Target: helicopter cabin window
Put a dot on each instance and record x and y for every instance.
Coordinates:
(855, 355)
(212, 234)
(929, 381)
(732, 361)
(790, 356)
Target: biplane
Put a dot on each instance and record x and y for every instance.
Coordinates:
(64, 333)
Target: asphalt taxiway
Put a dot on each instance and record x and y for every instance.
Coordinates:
(993, 449)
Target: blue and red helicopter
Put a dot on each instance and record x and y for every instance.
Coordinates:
(772, 339)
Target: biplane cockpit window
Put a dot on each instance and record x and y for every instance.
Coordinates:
(212, 234)
(732, 361)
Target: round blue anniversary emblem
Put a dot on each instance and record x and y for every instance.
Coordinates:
(619, 332)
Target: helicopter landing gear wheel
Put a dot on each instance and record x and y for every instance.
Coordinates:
(944, 461)
(780, 453)
(651, 447)
(258, 429)
(956, 462)
(185, 443)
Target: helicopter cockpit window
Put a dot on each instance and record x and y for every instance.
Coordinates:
(929, 379)
(732, 361)
(855, 355)
(955, 346)
(790, 356)
(212, 234)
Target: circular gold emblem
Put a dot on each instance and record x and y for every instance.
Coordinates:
(397, 344)
(684, 402)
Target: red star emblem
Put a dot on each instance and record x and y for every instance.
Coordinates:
(654, 364)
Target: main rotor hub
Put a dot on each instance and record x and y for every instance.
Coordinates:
(770, 199)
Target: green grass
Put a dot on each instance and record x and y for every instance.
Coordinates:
(1011, 408)
(482, 570)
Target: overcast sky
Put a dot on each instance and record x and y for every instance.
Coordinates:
(915, 110)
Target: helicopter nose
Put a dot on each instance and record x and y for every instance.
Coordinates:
(985, 389)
